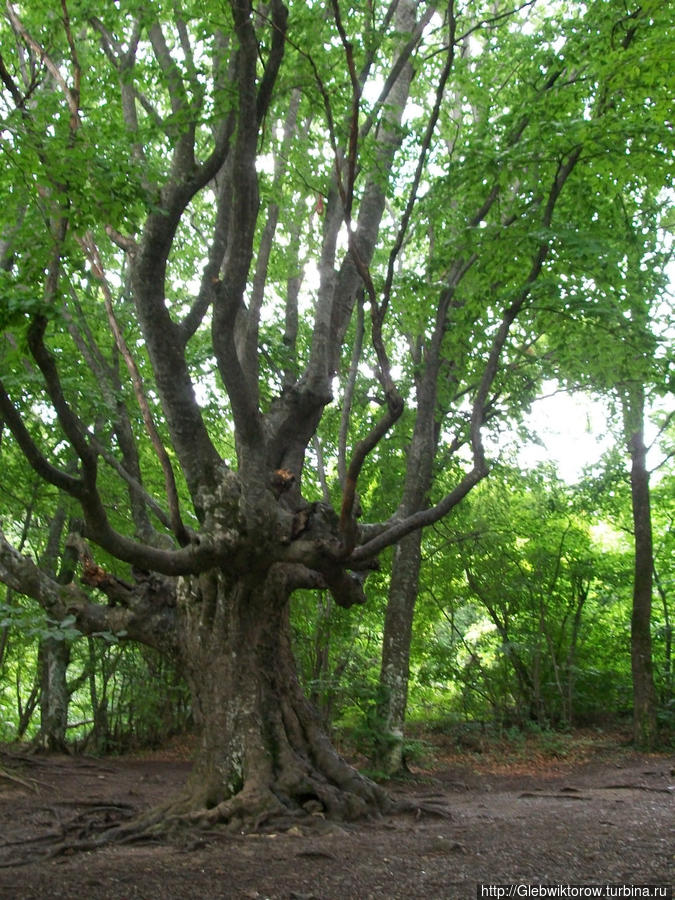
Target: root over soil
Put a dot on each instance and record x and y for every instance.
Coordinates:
(313, 807)
(602, 814)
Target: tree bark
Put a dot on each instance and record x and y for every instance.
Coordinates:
(395, 669)
(263, 754)
(644, 693)
(53, 660)
(54, 653)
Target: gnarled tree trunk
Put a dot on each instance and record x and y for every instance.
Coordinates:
(263, 753)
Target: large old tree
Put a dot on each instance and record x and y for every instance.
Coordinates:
(218, 219)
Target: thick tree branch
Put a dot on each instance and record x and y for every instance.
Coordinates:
(111, 390)
(359, 456)
(244, 211)
(297, 413)
(397, 529)
(401, 61)
(136, 487)
(348, 398)
(72, 427)
(38, 462)
(143, 620)
(123, 62)
(353, 146)
(11, 85)
(196, 557)
(174, 80)
(211, 276)
(248, 347)
(421, 160)
(166, 345)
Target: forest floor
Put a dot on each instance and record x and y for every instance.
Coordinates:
(550, 809)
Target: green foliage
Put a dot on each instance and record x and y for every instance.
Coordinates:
(338, 655)
(523, 613)
(139, 700)
(540, 636)
(523, 616)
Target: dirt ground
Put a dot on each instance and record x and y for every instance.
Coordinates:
(588, 810)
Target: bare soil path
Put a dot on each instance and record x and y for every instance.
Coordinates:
(589, 810)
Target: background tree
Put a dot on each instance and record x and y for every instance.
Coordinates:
(541, 113)
(630, 364)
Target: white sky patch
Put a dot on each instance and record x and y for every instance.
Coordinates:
(265, 163)
(574, 431)
(372, 90)
(608, 539)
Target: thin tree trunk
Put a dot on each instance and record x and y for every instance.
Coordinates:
(668, 642)
(100, 733)
(395, 670)
(25, 712)
(644, 693)
(53, 661)
(4, 637)
(570, 663)
(319, 694)
(527, 690)
(405, 572)
(54, 653)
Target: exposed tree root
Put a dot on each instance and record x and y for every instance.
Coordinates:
(315, 808)
(265, 763)
(86, 830)
(30, 784)
(636, 787)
